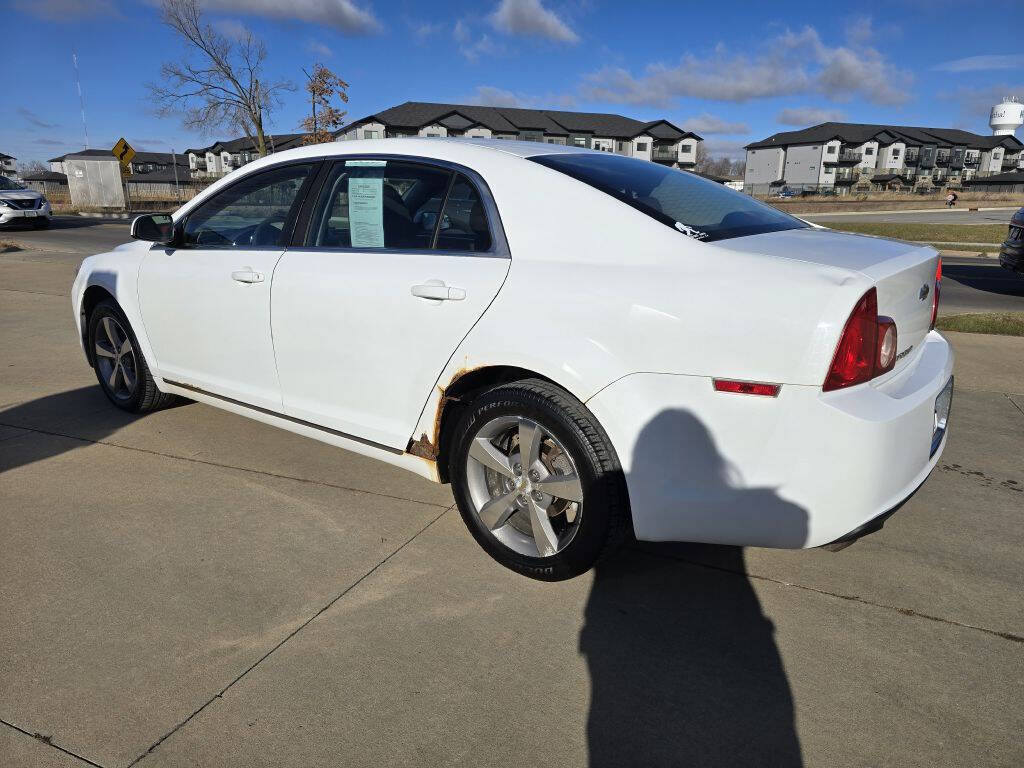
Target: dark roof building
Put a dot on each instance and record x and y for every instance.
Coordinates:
(142, 162)
(657, 140)
(838, 155)
(222, 157)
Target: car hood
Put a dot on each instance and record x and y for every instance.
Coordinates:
(19, 194)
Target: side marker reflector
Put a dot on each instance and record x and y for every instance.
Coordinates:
(747, 387)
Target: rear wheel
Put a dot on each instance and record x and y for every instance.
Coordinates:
(537, 481)
(120, 367)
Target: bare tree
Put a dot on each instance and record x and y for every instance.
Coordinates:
(701, 158)
(322, 86)
(220, 82)
(32, 166)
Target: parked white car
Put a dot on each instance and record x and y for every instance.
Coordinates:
(19, 205)
(580, 343)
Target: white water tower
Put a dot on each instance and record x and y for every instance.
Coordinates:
(1007, 116)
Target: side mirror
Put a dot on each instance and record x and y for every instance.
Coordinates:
(154, 228)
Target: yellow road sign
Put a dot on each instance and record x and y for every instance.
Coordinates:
(123, 152)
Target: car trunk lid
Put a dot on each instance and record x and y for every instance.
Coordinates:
(903, 273)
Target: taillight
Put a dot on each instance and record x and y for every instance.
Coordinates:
(867, 347)
(935, 293)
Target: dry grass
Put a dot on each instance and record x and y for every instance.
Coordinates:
(997, 323)
(925, 232)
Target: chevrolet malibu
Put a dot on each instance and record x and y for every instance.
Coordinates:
(586, 346)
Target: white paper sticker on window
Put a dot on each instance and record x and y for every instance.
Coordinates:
(366, 212)
(366, 163)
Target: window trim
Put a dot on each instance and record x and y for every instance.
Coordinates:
(499, 244)
(294, 214)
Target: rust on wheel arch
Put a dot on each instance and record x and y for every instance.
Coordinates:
(425, 447)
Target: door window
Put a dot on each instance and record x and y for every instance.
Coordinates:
(369, 204)
(255, 211)
(464, 223)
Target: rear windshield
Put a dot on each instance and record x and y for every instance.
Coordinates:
(697, 207)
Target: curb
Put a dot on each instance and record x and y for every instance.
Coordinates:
(904, 210)
(97, 215)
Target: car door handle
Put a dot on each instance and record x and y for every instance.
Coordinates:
(247, 275)
(438, 292)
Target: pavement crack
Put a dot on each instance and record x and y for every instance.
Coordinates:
(290, 635)
(1012, 637)
(48, 741)
(1014, 403)
(37, 293)
(218, 464)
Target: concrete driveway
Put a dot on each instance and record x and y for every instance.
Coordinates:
(195, 589)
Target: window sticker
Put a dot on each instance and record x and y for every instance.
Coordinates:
(365, 163)
(366, 212)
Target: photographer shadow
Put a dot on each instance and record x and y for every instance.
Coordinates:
(683, 662)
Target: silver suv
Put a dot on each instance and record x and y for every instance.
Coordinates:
(19, 205)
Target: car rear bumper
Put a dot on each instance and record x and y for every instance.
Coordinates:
(800, 470)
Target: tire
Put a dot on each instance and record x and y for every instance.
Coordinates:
(545, 536)
(133, 388)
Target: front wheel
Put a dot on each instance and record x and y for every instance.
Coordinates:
(537, 481)
(120, 367)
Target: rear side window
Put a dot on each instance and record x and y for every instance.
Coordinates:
(699, 208)
(464, 223)
(370, 204)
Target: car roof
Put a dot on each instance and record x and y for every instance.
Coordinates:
(437, 147)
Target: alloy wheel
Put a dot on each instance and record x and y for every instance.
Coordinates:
(524, 486)
(115, 359)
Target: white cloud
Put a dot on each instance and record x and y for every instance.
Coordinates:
(976, 103)
(474, 47)
(529, 18)
(319, 49)
(232, 28)
(805, 116)
(790, 63)
(732, 149)
(982, 63)
(424, 29)
(491, 96)
(343, 15)
(707, 125)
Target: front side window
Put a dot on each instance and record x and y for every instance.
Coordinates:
(696, 207)
(251, 212)
(369, 204)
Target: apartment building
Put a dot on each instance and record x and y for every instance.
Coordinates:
(658, 140)
(143, 162)
(845, 155)
(222, 157)
(7, 165)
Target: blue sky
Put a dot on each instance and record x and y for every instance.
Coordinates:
(733, 71)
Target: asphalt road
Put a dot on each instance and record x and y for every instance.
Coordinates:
(192, 588)
(971, 284)
(958, 215)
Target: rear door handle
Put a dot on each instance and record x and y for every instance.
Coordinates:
(247, 275)
(438, 291)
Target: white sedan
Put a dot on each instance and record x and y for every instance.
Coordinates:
(584, 345)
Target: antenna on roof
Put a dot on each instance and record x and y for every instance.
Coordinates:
(81, 98)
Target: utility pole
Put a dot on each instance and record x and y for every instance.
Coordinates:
(312, 98)
(174, 162)
(81, 99)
